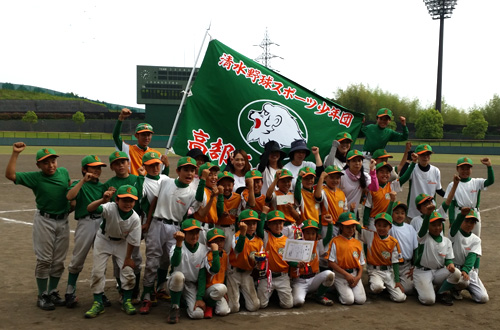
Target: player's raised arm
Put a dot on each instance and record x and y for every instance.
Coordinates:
(10, 171)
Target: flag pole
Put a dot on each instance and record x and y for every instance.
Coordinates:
(185, 94)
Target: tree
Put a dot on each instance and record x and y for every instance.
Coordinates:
(476, 125)
(79, 119)
(491, 111)
(31, 118)
(429, 124)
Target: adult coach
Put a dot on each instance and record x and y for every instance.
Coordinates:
(143, 133)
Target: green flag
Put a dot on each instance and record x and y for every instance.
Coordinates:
(236, 103)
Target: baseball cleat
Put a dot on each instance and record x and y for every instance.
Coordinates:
(97, 309)
(173, 316)
(45, 303)
(56, 299)
(71, 300)
(105, 301)
(323, 300)
(128, 308)
(162, 295)
(446, 299)
(208, 312)
(146, 307)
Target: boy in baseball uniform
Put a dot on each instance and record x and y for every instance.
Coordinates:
(188, 277)
(143, 134)
(283, 181)
(434, 261)
(242, 259)
(169, 206)
(50, 224)
(306, 277)
(307, 196)
(119, 234)
(425, 179)
(383, 255)
(84, 192)
(335, 202)
(468, 193)
(232, 207)
(216, 264)
(119, 163)
(251, 195)
(467, 251)
(274, 244)
(212, 205)
(151, 167)
(346, 259)
(407, 239)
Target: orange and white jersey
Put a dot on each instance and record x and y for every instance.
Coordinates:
(381, 252)
(259, 201)
(283, 208)
(274, 247)
(135, 155)
(346, 252)
(220, 276)
(232, 206)
(379, 200)
(309, 208)
(211, 216)
(245, 260)
(334, 203)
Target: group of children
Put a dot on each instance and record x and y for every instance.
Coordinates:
(207, 244)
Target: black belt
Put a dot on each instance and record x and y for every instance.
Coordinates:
(239, 270)
(424, 268)
(308, 276)
(350, 270)
(168, 221)
(278, 274)
(210, 225)
(224, 226)
(91, 216)
(111, 238)
(380, 267)
(53, 216)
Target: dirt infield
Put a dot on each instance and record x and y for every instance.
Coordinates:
(18, 287)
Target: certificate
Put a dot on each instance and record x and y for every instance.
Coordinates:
(284, 199)
(298, 250)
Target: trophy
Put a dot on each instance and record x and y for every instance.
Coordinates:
(260, 270)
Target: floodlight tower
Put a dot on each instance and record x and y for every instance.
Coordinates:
(440, 9)
(266, 56)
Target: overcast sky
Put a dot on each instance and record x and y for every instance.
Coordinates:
(92, 48)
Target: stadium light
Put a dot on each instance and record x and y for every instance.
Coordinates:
(440, 9)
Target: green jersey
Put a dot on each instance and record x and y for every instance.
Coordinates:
(89, 192)
(377, 138)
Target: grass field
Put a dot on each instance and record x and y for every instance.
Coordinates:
(436, 158)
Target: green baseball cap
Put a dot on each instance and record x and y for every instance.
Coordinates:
(399, 204)
(253, 174)
(383, 164)
(208, 166)
(422, 198)
(464, 161)
(285, 174)
(151, 158)
(436, 216)
(127, 191)
(92, 160)
(117, 155)
(215, 233)
(343, 136)
(423, 148)
(332, 169)
(45, 153)
(310, 223)
(275, 215)
(144, 127)
(384, 216)
(384, 112)
(472, 215)
(381, 153)
(248, 215)
(307, 171)
(225, 174)
(190, 224)
(354, 153)
(346, 219)
(186, 161)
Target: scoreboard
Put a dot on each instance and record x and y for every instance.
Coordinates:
(162, 85)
